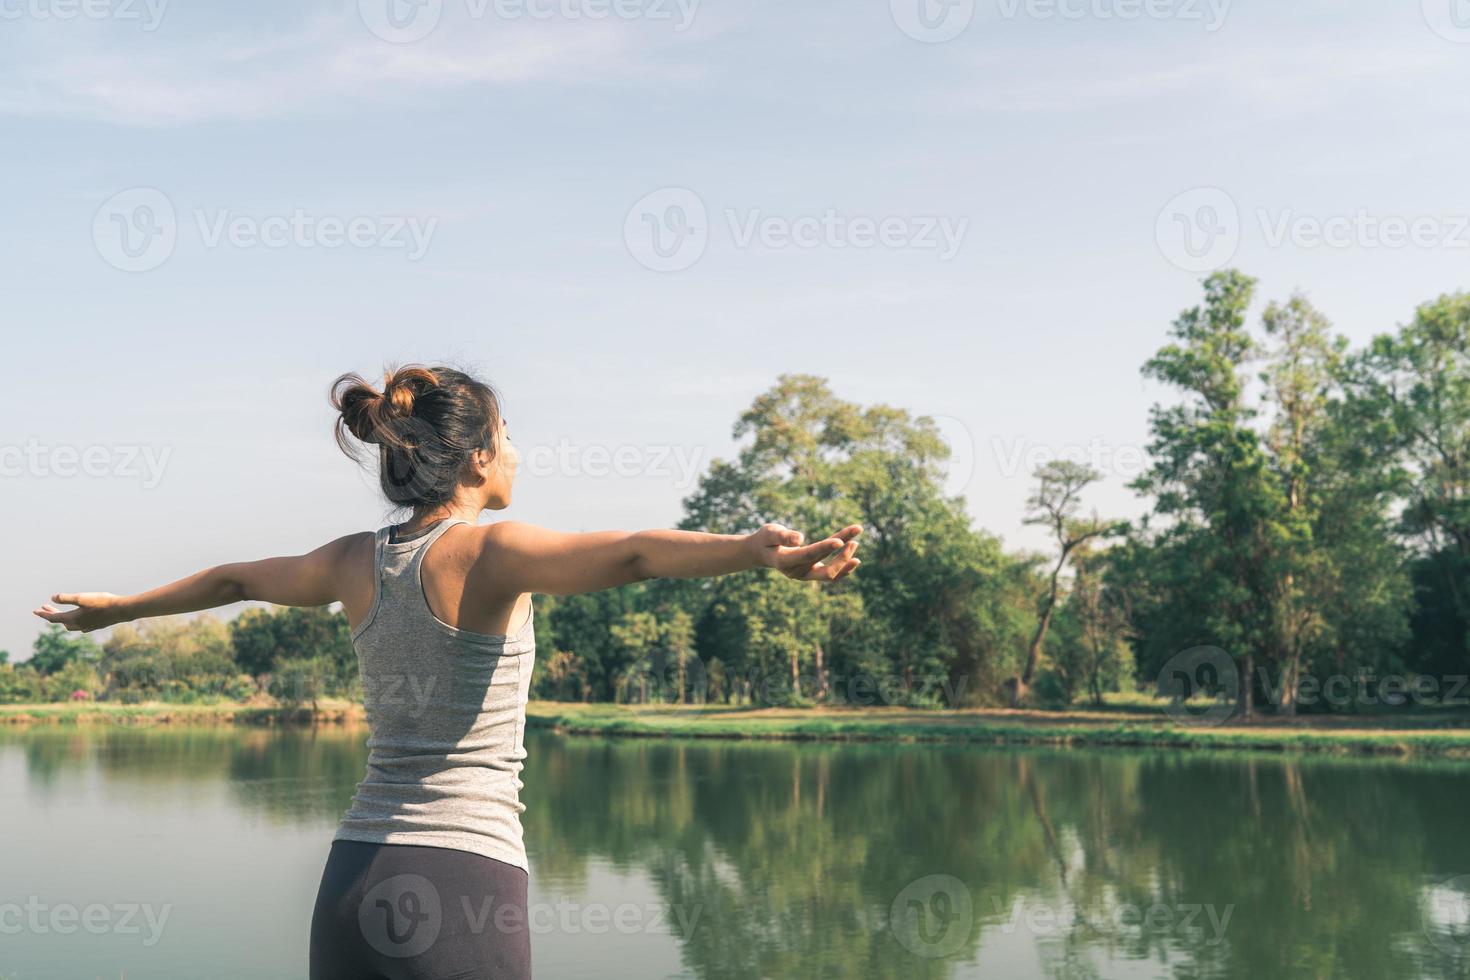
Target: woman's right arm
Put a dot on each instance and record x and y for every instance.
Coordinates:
(524, 558)
(313, 579)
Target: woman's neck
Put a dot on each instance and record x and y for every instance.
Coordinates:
(422, 519)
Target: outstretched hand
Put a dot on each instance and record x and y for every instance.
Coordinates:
(94, 610)
(827, 560)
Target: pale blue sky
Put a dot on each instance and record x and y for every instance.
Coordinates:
(1047, 138)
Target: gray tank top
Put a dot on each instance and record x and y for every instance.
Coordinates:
(446, 711)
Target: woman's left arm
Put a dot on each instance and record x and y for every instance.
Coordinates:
(311, 579)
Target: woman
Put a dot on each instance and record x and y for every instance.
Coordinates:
(427, 872)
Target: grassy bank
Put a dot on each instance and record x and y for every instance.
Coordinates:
(1425, 734)
(1437, 736)
(153, 713)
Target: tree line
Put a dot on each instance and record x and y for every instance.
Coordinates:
(288, 656)
(1308, 518)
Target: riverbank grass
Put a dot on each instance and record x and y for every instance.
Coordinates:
(1130, 724)
(1430, 735)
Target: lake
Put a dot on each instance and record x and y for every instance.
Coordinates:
(134, 854)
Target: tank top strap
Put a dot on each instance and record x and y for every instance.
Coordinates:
(400, 574)
(420, 546)
(399, 561)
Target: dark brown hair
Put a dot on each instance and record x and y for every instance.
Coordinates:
(427, 423)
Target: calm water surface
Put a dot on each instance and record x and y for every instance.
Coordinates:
(174, 853)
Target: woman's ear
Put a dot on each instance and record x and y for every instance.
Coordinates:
(480, 464)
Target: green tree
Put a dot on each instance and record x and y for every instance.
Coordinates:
(935, 606)
(1054, 505)
(1416, 384)
(1210, 474)
(1092, 652)
(74, 676)
(260, 639)
(302, 680)
(55, 648)
(1300, 379)
(173, 658)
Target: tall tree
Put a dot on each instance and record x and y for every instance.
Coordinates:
(935, 603)
(1054, 505)
(1209, 471)
(1419, 379)
(1300, 378)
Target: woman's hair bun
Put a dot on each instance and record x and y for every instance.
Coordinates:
(427, 424)
(377, 417)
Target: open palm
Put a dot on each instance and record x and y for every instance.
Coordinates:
(827, 560)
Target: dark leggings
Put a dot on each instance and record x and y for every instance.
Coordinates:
(403, 912)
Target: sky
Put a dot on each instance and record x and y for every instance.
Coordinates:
(631, 216)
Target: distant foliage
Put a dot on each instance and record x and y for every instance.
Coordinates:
(184, 661)
(1309, 514)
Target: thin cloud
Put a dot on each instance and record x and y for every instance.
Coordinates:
(153, 79)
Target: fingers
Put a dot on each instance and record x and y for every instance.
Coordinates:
(53, 615)
(845, 555)
(812, 553)
(841, 563)
(65, 598)
(840, 567)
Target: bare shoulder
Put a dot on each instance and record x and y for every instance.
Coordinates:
(511, 536)
(351, 547)
(503, 541)
(348, 561)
